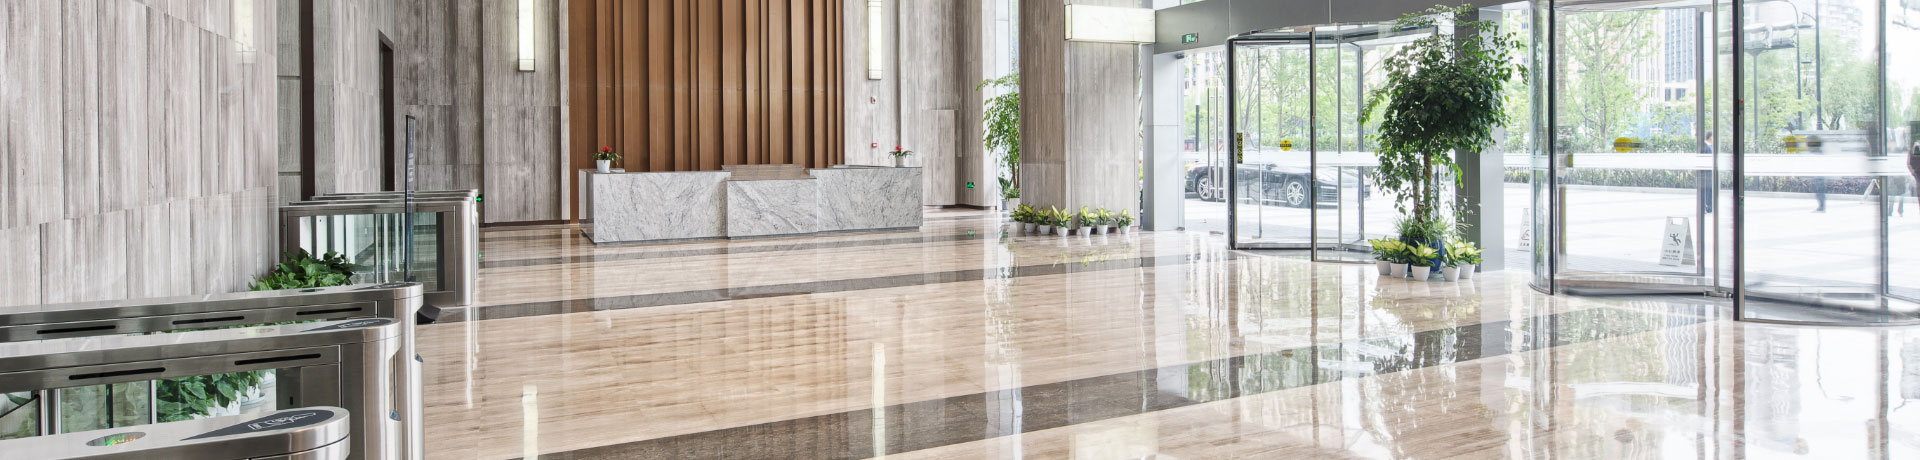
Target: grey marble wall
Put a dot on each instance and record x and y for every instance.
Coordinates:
(657, 206)
(482, 123)
(1079, 114)
(925, 101)
(772, 207)
(136, 148)
(869, 198)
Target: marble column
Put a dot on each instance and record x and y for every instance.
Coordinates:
(1079, 127)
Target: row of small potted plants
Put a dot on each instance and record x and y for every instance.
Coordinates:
(1063, 222)
(1455, 260)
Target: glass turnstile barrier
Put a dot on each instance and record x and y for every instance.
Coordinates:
(432, 241)
(1754, 149)
(351, 364)
(311, 433)
(95, 406)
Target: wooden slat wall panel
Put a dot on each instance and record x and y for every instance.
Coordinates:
(685, 85)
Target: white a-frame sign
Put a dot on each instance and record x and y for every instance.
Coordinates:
(1676, 245)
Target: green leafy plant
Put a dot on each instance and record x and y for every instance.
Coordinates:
(1001, 123)
(1462, 252)
(1442, 94)
(1088, 218)
(1061, 218)
(606, 153)
(301, 270)
(1423, 255)
(899, 152)
(1390, 250)
(1124, 219)
(188, 397)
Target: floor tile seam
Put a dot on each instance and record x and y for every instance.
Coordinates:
(459, 314)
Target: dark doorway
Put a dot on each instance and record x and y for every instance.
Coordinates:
(387, 161)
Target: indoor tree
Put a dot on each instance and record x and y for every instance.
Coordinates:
(1001, 121)
(1442, 95)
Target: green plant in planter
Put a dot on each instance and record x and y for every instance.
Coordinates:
(1462, 252)
(1023, 214)
(1062, 218)
(301, 270)
(1123, 220)
(1442, 95)
(607, 154)
(1423, 255)
(1388, 249)
(1001, 125)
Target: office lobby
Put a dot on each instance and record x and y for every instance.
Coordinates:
(934, 229)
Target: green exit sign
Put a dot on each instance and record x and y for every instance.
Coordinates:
(1189, 38)
(969, 184)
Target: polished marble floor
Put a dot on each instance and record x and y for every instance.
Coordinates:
(961, 340)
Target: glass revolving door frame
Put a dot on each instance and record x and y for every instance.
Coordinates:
(1848, 264)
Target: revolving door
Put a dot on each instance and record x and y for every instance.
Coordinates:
(1300, 160)
(1755, 149)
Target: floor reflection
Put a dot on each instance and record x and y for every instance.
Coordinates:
(1011, 346)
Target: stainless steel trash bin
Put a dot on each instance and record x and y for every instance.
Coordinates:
(312, 433)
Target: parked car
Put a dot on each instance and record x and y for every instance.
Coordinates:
(1283, 185)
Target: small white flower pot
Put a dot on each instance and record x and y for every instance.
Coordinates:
(1084, 231)
(900, 161)
(1450, 273)
(1046, 229)
(1399, 271)
(1466, 271)
(1064, 231)
(1421, 272)
(1029, 227)
(1127, 230)
(1384, 266)
(1107, 229)
(603, 166)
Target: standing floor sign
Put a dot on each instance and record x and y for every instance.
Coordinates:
(1676, 245)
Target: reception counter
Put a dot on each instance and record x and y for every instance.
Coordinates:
(746, 201)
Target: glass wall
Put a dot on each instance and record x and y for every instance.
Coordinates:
(1773, 164)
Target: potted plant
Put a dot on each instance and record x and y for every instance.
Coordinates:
(1466, 255)
(1423, 261)
(603, 159)
(1401, 257)
(1062, 222)
(1000, 130)
(1087, 222)
(1383, 252)
(900, 156)
(1449, 266)
(1442, 95)
(1044, 220)
(1106, 218)
(1124, 221)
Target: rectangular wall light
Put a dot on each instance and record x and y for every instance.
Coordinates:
(526, 36)
(876, 27)
(1109, 24)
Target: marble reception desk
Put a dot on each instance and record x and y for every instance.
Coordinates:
(664, 206)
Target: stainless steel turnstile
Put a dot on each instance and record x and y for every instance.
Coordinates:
(397, 301)
(373, 232)
(349, 364)
(313, 433)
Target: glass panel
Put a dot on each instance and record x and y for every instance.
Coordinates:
(1272, 114)
(1536, 234)
(1903, 130)
(19, 415)
(1349, 208)
(375, 244)
(1204, 146)
(216, 395)
(1633, 149)
(1819, 167)
(98, 407)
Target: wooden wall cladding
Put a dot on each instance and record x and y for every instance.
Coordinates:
(691, 85)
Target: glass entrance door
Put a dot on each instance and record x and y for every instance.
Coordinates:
(1269, 121)
(1302, 164)
(1635, 124)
